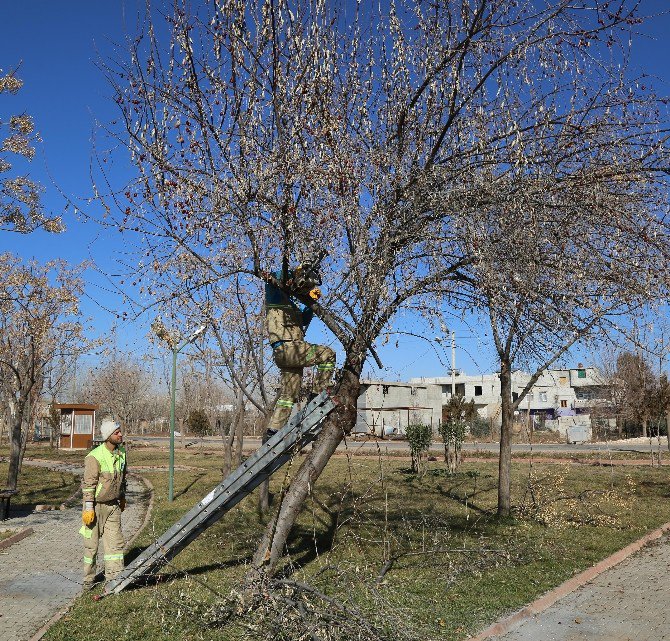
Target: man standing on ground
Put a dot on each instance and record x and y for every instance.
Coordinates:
(286, 326)
(104, 490)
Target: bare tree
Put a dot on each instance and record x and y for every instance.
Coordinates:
(388, 135)
(638, 389)
(236, 352)
(21, 208)
(120, 386)
(39, 323)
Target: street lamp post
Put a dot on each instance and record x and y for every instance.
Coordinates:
(173, 393)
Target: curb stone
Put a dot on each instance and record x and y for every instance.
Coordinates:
(547, 600)
(15, 538)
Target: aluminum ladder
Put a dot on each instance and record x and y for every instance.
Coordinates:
(268, 458)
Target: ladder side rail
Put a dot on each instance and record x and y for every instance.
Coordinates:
(162, 551)
(201, 516)
(278, 444)
(155, 556)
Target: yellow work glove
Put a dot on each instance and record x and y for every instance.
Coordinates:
(88, 514)
(122, 504)
(315, 293)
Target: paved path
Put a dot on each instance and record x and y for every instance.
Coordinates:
(625, 603)
(41, 574)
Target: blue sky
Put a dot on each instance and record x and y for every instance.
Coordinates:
(57, 45)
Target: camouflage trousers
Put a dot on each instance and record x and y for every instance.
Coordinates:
(105, 527)
(291, 358)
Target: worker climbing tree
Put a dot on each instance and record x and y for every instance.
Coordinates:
(286, 326)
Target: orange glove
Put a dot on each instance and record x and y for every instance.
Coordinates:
(122, 504)
(87, 517)
(88, 513)
(315, 293)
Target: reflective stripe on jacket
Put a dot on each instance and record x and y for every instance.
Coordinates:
(104, 474)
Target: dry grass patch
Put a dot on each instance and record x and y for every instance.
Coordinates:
(40, 486)
(415, 557)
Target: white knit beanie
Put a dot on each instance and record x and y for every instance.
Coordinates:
(108, 427)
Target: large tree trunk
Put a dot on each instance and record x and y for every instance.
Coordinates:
(28, 429)
(15, 446)
(644, 427)
(339, 423)
(505, 460)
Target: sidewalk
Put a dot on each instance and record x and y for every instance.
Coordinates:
(628, 602)
(41, 574)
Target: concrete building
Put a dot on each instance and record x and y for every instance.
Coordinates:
(555, 396)
(386, 408)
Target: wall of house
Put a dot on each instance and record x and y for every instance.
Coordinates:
(386, 408)
(557, 392)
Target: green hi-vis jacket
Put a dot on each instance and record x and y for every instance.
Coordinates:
(104, 475)
(284, 320)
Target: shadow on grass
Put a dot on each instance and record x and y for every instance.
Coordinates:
(456, 482)
(310, 546)
(190, 485)
(19, 510)
(174, 574)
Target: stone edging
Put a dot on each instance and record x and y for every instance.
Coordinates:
(56, 617)
(15, 538)
(547, 600)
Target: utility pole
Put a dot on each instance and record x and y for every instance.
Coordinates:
(176, 348)
(453, 364)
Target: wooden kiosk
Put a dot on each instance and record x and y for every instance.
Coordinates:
(77, 425)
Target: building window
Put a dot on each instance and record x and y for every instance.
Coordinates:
(543, 397)
(515, 395)
(83, 424)
(478, 390)
(529, 397)
(581, 373)
(564, 403)
(66, 424)
(385, 390)
(563, 380)
(412, 391)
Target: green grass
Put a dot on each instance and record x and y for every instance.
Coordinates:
(39, 486)
(457, 567)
